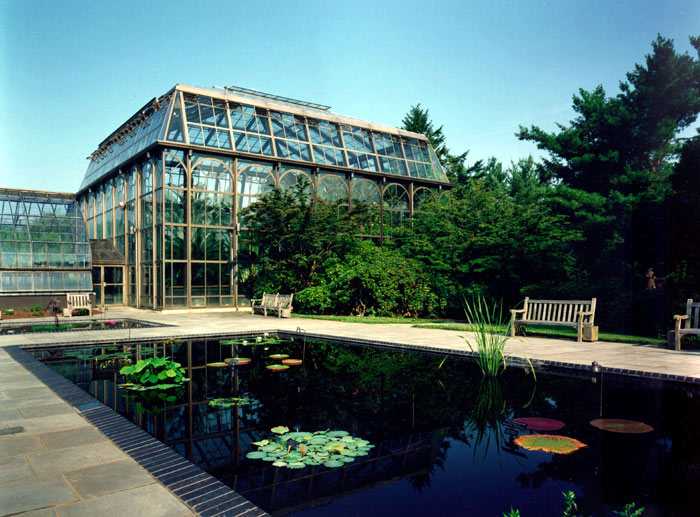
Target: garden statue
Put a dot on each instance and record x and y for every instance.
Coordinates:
(54, 307)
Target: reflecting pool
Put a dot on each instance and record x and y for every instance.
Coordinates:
(443, 439)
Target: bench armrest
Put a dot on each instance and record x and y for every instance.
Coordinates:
(678, 319)
(515, 311)
(585, 313)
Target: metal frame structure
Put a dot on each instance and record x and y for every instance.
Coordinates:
(44, 247)
(167, 186)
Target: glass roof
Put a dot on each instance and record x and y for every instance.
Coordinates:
(142, 130)
(246, 121)
(44, 245)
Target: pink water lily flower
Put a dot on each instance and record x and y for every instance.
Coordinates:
(110, 322)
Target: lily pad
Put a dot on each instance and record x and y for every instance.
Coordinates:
(217, 365)
(333, 463)
(277, 367)
(279, 356)
(255, 455)
(296, 465)
(337, 434)
(549, 443)
(280, 429)
(280, 464)
(292, 362)
(237, 361)
(535, 423)
(617, 425)
(228, 402)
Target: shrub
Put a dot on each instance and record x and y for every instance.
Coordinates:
(80, 312)
(36, 308)
(8, 312)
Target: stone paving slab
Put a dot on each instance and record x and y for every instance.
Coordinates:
(105, 479)
(72, 458)
(147, 501)
(14, 467)
(19, 444)
(71, 437)
(48, 423)
(31, 494)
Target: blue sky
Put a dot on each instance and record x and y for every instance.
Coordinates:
(72, 71)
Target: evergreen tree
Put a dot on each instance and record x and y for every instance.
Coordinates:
(418, 121)
(612, 166)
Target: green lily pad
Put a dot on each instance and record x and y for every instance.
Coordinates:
(277, 367)
(337, 434)
(333, 463)
(255, 455)
(217, 365)
(280, 464)
(279, 356)
(280, 429)
(261, 443)
(549, 443)
(296, 465)
(269, 458)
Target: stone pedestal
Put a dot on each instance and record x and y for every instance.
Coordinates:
(590, 333)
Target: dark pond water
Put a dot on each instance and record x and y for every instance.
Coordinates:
(444, 438)
(9, 328)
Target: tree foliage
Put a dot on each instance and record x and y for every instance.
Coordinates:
(418, 121)
(485, 241)
(612, 167)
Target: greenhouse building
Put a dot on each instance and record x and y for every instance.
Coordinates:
(44, 248)
(163, 193)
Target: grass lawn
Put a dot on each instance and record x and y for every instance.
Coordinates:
(370, 320)
(560, 332)
(544, 331)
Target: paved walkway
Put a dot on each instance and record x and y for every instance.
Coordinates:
(61, 465)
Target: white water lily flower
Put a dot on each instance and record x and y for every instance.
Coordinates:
(258, 339)
(245, 342)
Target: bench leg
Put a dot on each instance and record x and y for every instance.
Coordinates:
(512, 328)
(677, 335)
(579, 328)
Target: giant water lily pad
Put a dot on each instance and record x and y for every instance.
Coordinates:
(217, 365)
(549, 443)
(237, 361)
(535, 423)
(279, 356)
(277, 367)
(291, 362)
(618, 425)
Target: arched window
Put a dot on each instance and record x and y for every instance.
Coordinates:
(290, 177)
(365, 195)
(212, 193)
(395, 204)
(254, 180)
(422, 196)
(332, 188)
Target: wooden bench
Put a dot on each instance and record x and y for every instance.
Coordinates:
(565, 313)
(279, 303)
(78, 301)
(690, 321)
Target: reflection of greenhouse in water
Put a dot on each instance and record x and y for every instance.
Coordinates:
(164, 191)
(218, 438)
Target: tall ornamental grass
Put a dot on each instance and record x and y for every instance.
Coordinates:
(490, 335)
